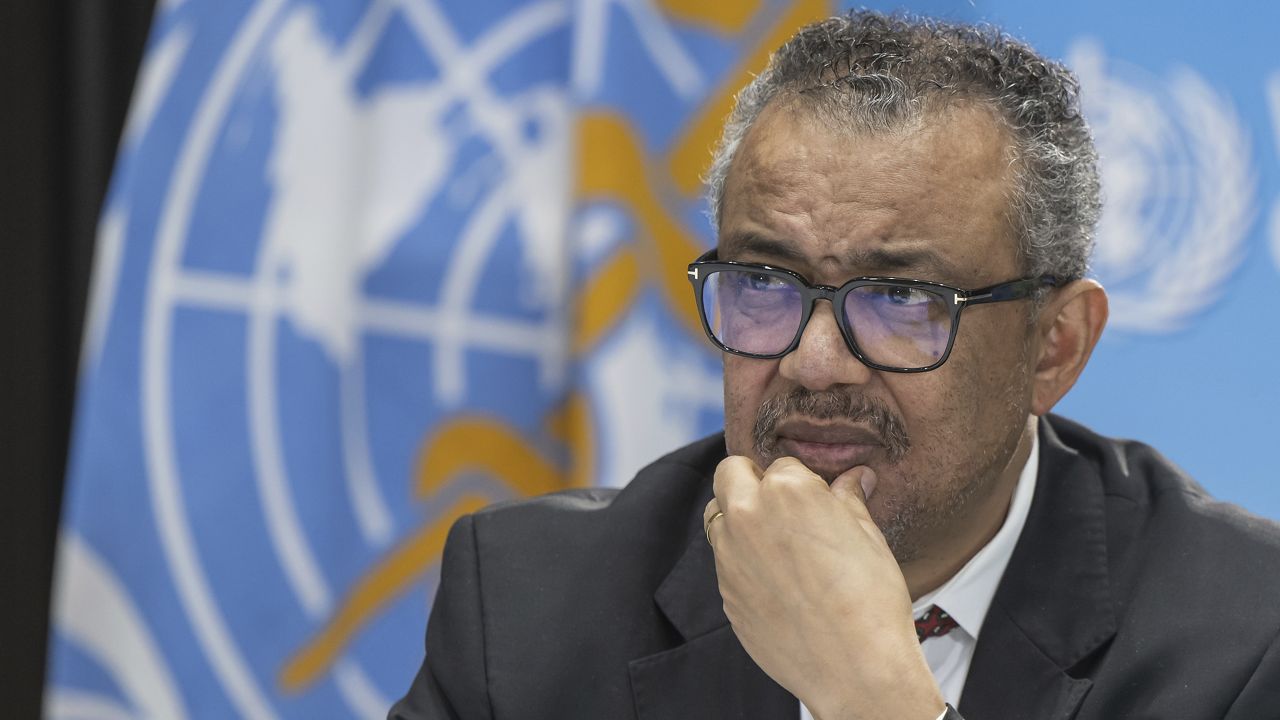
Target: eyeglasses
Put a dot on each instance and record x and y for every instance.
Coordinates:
(889, 324)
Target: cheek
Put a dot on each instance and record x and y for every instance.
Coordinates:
(929, 404)
(941, 408)
(998, 364)
(745, 385)
(969, 406)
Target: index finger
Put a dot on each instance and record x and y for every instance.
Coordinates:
(736, 476)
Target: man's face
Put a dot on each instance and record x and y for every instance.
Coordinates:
(929, 203)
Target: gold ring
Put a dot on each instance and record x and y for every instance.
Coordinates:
(706, 529)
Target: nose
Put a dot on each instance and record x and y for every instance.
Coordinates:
(823, 360)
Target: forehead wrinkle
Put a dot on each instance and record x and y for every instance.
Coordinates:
(914, 203)
(753, 243)
(850, 262)
(914, 259)
(771, 165)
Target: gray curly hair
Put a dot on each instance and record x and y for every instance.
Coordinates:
(875, 72)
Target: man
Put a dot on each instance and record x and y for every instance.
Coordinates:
(891, 525)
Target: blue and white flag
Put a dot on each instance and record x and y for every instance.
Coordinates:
(366, 266)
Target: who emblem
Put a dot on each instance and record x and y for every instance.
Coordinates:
(367, 267)
(359, 234)
(1178, 189)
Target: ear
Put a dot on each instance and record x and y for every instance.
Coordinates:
(1068, 328)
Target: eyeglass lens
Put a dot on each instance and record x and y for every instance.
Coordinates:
(894, 325)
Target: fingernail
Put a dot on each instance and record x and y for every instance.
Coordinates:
(868, 481)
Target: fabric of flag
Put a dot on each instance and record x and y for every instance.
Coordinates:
(366, 266)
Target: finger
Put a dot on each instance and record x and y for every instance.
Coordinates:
(709, 524)
(853, 487)
(737, 477)
(790, 469)
(712, 508)
(787, 463)
(856, 483)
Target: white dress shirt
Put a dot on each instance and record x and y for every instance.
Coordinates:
(967, 595)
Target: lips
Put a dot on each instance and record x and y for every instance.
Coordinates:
(828, 448)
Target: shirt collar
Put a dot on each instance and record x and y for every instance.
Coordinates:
(967, 595)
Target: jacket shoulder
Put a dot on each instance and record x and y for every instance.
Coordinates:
(1165, 529)
(1137, 474)
(1190, 584)
(576, 570)
(659, 487)
(647, 523)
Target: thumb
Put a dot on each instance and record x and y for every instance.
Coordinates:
(856, 482)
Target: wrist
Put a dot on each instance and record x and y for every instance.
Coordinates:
(903, 690)
(896, 711)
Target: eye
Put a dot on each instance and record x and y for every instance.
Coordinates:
(904, 295)
(758, 291)
(760, 282)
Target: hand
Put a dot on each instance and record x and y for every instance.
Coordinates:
(814, 593)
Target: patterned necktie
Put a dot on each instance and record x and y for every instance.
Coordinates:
(935, 623)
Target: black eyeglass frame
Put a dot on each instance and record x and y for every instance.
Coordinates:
(957, 300)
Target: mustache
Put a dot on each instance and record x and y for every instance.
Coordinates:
(829, 405)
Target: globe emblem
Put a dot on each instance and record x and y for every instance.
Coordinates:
(337, 214)
(1178, 189)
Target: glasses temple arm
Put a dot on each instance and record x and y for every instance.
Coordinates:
(1014, 290)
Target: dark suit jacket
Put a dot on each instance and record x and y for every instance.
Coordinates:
(1130, 594)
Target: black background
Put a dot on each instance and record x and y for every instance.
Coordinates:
(66, 72)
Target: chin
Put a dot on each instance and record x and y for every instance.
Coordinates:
(827, 474)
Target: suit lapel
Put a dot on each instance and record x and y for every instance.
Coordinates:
(709, 675)
(1053, 607)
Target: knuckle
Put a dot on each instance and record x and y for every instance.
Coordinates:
(739, 507)
(734, 464)
(728, 469)
(791, 477)
(784, 463)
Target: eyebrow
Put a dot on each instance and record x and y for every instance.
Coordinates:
(761, 246)
(881, 260)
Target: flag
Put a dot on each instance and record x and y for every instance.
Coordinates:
(365, 267)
